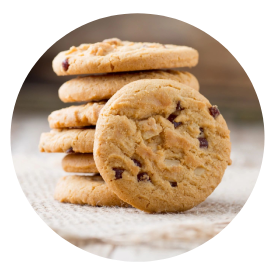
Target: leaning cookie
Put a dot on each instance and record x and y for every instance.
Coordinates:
(114, 55)
(167, 148)
(75, 116)
(79, 163)
(90, 190)
(67, 141)
(102, 87)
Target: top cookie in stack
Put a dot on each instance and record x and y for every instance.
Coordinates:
(116, 63)
(114, 55)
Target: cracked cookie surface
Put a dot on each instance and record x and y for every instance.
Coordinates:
(90, 190)
(75, 116)
(67, 141)
(159, 147)
(114, 55)
(79, 163)
(102, 87)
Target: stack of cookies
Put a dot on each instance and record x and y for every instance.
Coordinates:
(145, 136)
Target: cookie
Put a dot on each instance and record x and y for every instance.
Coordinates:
(67, 141)
(114, 55)
(76, 116)
(102, 87)
(79, 163)
(90, 190)
(161, 146)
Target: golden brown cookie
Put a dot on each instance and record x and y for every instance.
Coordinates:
(76, 116)
(90, 190)
(79, 163)
(161, 146)
(101, 87)
(114, 55)
(67, 141)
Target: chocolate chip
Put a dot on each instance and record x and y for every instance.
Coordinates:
(177, 124)
(201, 135)
(143, 177)
(214, 111)
(70, 151)
(171, 118)
(173, 184)
(65, 64)
(119, 172)
(137, 163)
(203, 142)
(179, 108)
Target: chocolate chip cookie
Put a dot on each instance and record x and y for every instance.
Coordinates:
(114, 55)
(76, 116)
(102, 87)
(161, 146)
(90, 190)
(67, 141)
(79, 163)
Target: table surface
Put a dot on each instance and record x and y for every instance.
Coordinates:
(130, 234)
